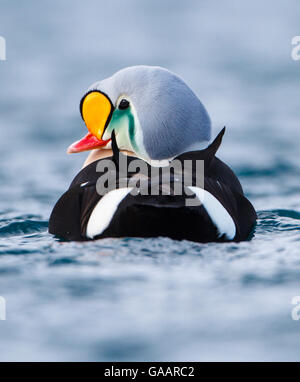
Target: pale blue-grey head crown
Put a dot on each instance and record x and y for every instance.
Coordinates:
(170, 115)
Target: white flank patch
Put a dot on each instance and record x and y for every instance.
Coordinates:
(218, 214)
(104, 211)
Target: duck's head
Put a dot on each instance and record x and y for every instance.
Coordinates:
(152, 111)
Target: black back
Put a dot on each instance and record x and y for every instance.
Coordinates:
(161, 215)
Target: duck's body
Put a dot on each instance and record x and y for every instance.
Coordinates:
(222, 214)
(152, 114)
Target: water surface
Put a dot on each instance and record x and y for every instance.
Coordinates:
(153, 299)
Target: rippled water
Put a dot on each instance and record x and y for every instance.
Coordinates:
(135, 299)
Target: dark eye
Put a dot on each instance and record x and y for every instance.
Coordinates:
(124, 104)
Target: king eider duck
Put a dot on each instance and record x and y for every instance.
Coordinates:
(144, 122)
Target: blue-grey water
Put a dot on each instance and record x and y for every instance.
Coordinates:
(154, 299)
